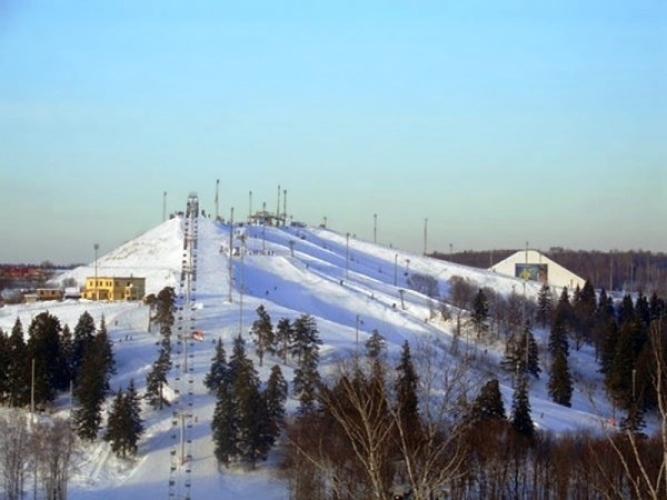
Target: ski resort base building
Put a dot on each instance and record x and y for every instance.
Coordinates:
(114, 288)
(532, 265)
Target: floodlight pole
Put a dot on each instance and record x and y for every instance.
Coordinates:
(396, 270)
(249, 206)
(284, 206)
(231, 250)
(425, 233)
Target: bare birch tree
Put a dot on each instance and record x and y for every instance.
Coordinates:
(14, 453)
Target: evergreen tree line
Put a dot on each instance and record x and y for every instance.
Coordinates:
(617, 330)
(249, 415)
(56, 359)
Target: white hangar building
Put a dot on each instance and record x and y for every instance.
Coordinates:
(535, 266)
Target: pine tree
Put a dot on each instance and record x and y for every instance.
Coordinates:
(165, 310)
(44, 354)
(18, 370)
(116, 425)
(276, 394)
(225, 425)
(256, 430)
(306, 376)
(521, 354)
(558, 336)
(219, 371)
(489, 404)
(283, 338)
(520, 418)
(375, 345)
(480, 312)
(608, 352)
(124, 424)
(559, 384)
(307, 379)
(544, 305)
(105, 348)
(252, 421)
(583, 312)
(262, 330)
(84, 333)
(407, 401)
(564, 312)
(305, 335)
(133, 403)
(619, 377)
(157, 379)
(90, 391)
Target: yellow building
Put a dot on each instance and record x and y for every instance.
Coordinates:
(114, 288)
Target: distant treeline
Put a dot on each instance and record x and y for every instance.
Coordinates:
(616, 270)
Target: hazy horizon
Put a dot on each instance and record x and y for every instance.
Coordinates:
(500, 124)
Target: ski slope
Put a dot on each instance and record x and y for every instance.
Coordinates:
(350, 286)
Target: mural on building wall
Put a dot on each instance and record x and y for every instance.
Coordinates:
(532, 272)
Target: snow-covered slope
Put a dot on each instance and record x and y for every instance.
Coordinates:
(350, 286)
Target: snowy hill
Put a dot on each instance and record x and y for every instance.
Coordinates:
(350, 286)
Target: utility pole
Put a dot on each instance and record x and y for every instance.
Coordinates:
(278, 208)
(32, 390)
(375, 228)
(97, 285)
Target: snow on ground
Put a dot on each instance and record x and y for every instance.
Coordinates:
(350, 286)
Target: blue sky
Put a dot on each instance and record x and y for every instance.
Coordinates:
(500, 122)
